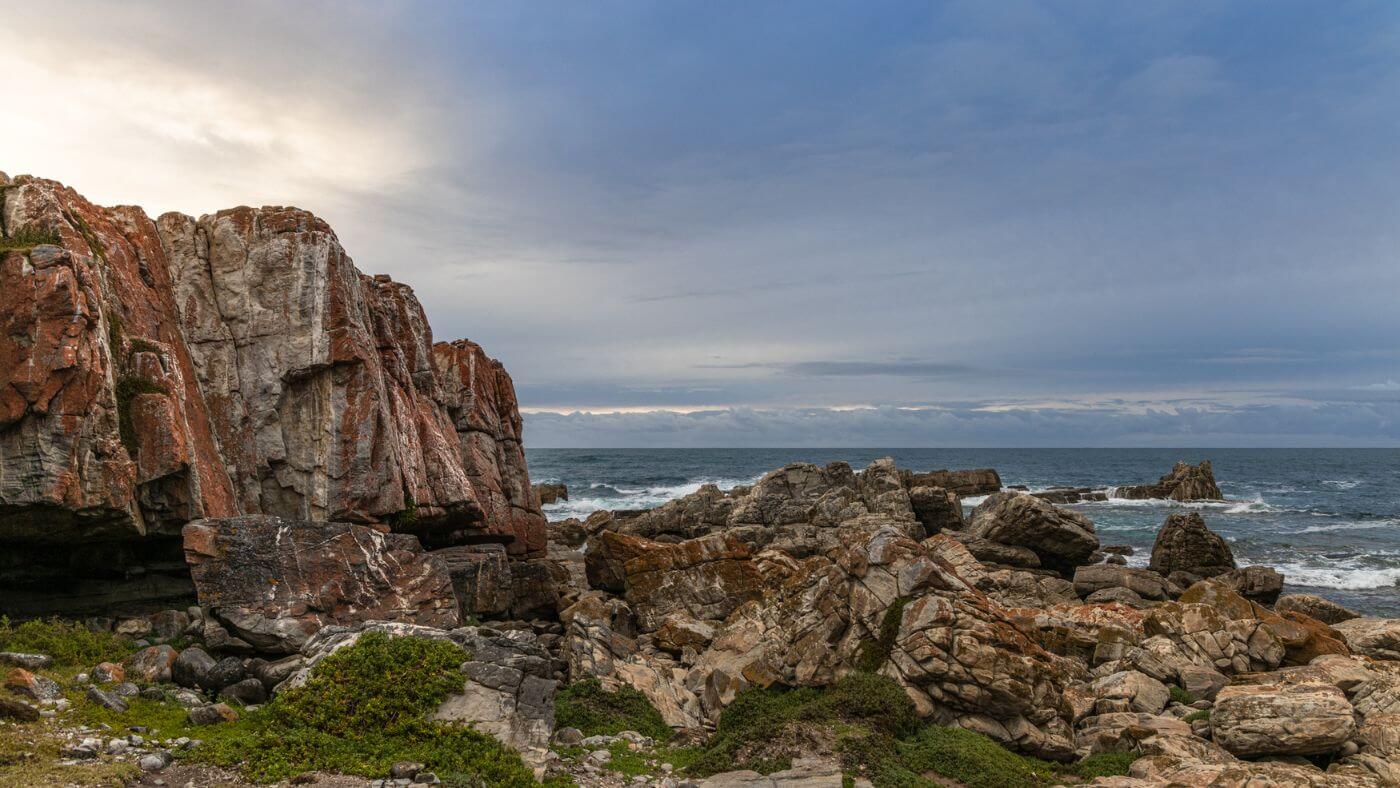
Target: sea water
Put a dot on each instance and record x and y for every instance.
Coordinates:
(1328, 519)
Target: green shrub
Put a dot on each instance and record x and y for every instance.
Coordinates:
(875, 653)
(24, 240)
(1203, 714)
(68, 642)
(1104, 764)
(363, 709)
(599, 712)
(970, 758)
(1183, 696)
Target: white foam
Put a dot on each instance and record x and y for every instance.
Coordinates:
(1351, 525)
(632, 497)
(1343, 484)
(1340, 577)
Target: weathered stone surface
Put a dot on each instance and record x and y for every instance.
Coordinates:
(551, 492)
(679, 633)
(1124, 731)
(32, 685)
(1142, 693)
(481, 578)
(1261, 584)
(212, 714)
(22, 660)
(965, 484)
(153, 373)
(705, 578)
(1324, 610)
(192, 668)
(274, 582)
(1185, 544)
(1144, 582)
(607, 553)
(1378, 638)
(1282, 719)
(1183, 483)
(1060, 538)
(151, 665)
(937, 509)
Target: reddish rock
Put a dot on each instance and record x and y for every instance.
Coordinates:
(275, 582)
(151, 665)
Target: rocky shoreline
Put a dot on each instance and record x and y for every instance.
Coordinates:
(294, 541)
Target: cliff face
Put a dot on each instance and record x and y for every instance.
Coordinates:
(154, 372)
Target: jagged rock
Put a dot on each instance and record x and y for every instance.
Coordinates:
(1281, 719)
(937, 509)
(1060, 538)
(1143, 582)
(1118, 594)
(239, 363)
(551, 492)
(607, 553)
(533, 593)
(1324, 610)
(570, 532)
(1125, 731)
(151, 665)
(706, 578)
(965, 484)
(481, 578)
(1378, 638)
(1261, 584)
(1184, 543)
(1183, 483)
(1138, 691)
(274, 582)
(680, 632)
(987, 551)
(1064, 495)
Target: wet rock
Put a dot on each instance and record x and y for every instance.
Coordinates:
(1185, 544)
(274, 582)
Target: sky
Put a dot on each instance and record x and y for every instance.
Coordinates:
(800, 223)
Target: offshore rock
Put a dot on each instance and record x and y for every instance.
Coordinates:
(966, 484)
(275, 582)
(1183, 483)
(1185, 544)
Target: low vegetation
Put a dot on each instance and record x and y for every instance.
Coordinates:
(71, 644)
(24, 240)
(596, 711)
(876, 652)
(1183, 696)
(128, 387)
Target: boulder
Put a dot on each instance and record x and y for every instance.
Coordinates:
(1378, 638)
(1125, 731)
(1183, 483)
(32, 685)
(965, 484)
(705, 578)
(1138, 691)
(1282, 719)
(607, 552)
(679, 633)
(990, 552)
(274, 582)
(1060, 538)
(247, 692)
(151, 665)
(106, 699)
(192, 669)
(551, 492)
(481, 578)
(1143, 582)
(1260, 584)
(27, 661)
(1324, 610)
(1184, 543)
(14, 709)
(212, 714)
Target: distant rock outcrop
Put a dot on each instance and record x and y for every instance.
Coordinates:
(157, 372)
(1185, 544)
(1184, 483)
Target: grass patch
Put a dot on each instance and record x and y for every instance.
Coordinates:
(363, 709)
(1203, 714)
(24, 240)
(1183, 696)
(407, 516)
(586, 705)
(69, 643)
(128, 387)
(29, 756)
(1104, 764)
(875, 653)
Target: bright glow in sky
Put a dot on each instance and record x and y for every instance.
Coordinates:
(955, 223)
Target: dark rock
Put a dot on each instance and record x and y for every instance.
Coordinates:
(192, 668)
(1116, 560)
(1064, 495)
(966, 484)
(225, 672)
(937, 509)
(13, 709)
(1117, 549)
(249, 692)
(212, 714)
(532, 589)
(607, 553)
(273, 673)
(989, 552)
(108, 700)
(274, 582)
(1185, 544)
(481, 578)
(405, 770)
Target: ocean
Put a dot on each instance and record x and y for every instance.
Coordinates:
(1328, 519)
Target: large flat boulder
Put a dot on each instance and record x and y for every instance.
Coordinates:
(1378, 638)
(1060, 538)
(1282, 719)
(275, 582)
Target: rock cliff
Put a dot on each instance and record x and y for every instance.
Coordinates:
(157, 372)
